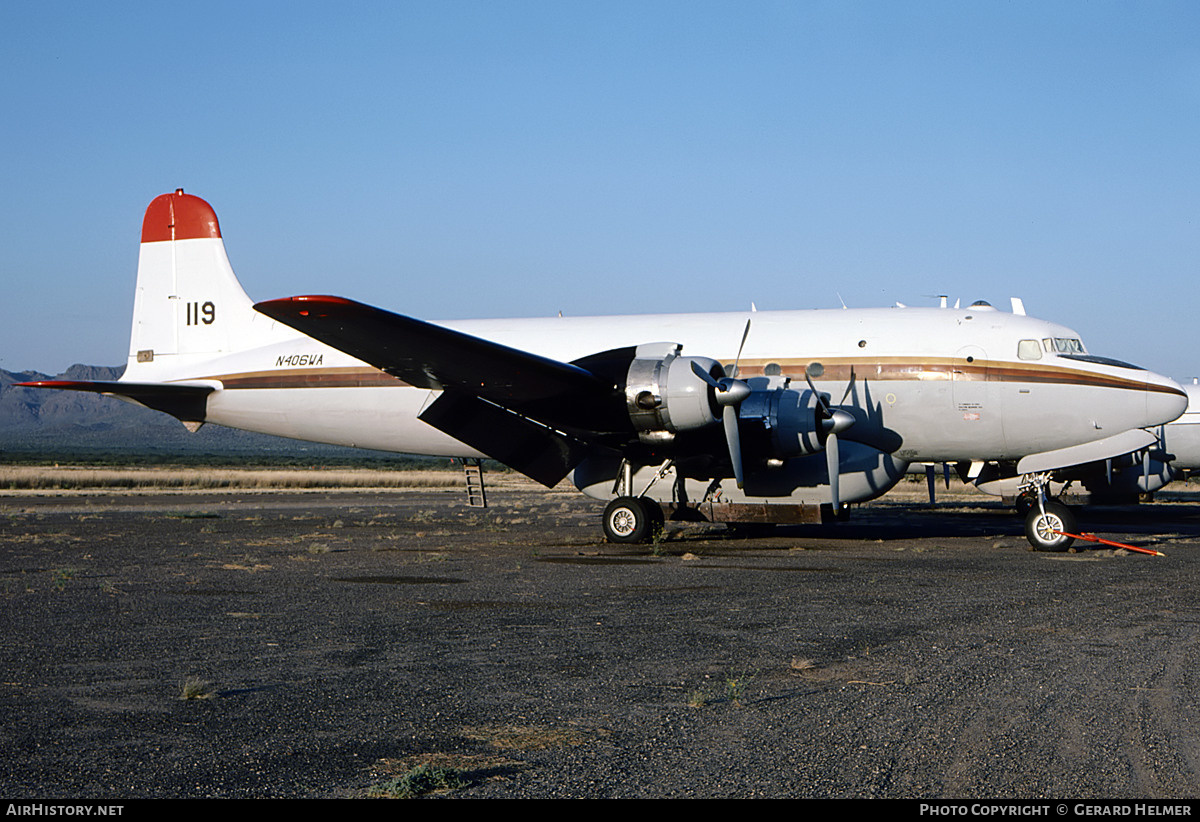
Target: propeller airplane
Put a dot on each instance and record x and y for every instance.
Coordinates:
(662, 415)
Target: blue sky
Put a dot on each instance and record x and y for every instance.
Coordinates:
(470, 159)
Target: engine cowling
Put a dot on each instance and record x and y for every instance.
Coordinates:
(664, 396)
(790, 422)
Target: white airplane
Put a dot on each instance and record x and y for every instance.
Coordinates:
(744, 416)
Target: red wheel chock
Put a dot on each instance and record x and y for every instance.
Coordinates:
(1094, 538)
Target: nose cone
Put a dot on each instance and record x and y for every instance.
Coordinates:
(1165, 400)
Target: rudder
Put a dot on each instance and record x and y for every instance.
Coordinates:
(189, 305)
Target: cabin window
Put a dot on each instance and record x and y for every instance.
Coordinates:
(772, 369)
(1029, 350)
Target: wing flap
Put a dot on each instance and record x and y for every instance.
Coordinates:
(538, 452)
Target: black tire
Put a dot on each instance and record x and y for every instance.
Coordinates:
(631, 519)
(658, 517)
(1039, 527)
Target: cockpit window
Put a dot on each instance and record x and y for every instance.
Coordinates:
(1103, 361)
(1064, 345)
(1029, 350)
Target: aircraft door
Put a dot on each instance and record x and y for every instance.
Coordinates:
(976, 403)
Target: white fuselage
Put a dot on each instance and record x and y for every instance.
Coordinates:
(946, 383)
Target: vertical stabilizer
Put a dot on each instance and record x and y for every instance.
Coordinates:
(189, 306)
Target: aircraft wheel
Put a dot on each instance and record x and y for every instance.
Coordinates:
(1040, 527)
(632, 519)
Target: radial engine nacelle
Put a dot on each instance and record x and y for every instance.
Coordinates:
(667, 393)
(664, 395)
(790, 421)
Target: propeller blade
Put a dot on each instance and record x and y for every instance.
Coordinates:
(729, 416)
(931, 482)
(833, 462)
(834, 422)
(737, 361)
(704, 375)
(820, 397)
(729, 394)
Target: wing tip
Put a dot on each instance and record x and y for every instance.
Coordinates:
(287, 306)
(49, 384)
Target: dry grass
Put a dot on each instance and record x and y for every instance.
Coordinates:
(32, 478)
(195, 688)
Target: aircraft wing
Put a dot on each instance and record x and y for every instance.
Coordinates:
(432, 356)
(530, 412)
(1115, 446)
(180, 400)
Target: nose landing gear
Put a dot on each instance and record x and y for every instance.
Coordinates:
(1048, 523)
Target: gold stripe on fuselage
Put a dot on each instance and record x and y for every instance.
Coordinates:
(345, 377)
(905, 369)
(890, 369)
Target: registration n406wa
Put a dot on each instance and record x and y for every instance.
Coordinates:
(739, 416)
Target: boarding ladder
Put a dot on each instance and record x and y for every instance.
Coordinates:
(476, 494)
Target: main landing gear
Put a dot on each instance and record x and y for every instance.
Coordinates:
(633, 519)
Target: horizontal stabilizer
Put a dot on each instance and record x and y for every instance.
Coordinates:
(1115, 446)
(184, 402)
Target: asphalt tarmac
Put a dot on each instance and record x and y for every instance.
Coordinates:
(325, 644)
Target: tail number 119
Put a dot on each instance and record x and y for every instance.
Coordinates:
(201, 313)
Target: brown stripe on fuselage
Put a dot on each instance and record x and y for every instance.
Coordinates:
(907, 369)
(889, 369)
(347, 377)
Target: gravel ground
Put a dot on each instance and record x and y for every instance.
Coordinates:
(331, 642)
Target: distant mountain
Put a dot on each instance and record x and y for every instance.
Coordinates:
(39, 420)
